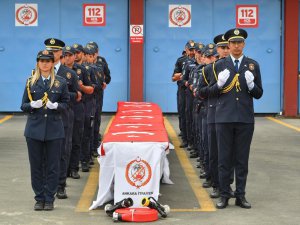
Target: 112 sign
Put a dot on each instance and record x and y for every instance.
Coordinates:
(247, 16)
(94, 15)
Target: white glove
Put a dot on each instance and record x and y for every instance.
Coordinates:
(36, 104)
(51, 105)
(249, 79)
(222, 77)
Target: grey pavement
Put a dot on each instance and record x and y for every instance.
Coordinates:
(273, 186)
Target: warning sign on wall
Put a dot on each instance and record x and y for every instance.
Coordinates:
(180, 16)
(246, 16)
(94, 15)
(136, 34)
(26, 14)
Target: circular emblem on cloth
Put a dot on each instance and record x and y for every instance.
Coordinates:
(56, 83)
(236, 32)
(251, 66)
(69, 75)
(180, 16)
(26, 15)
(138, 172)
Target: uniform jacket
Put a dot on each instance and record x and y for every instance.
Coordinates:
(101, 61)
(43, 123)
(237, 106)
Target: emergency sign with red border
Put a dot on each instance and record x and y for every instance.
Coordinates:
(246, 16)
(94, 14)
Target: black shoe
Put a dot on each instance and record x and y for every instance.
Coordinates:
(38, 206)
(215, 193)
(193, 156)
(202, 175)
(48, 206)
(223, 203)
(242, 202)
(85, 167)
(61, 193)
(206, 184)
(91, 162)
(95, 154)
(74, 174)
(183, 145)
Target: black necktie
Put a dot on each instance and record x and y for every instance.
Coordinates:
(236, 65)
(46, 81)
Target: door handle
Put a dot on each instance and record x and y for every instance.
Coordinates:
(156, 49)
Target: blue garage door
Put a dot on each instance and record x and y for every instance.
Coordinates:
(164, 44)
(61, 19)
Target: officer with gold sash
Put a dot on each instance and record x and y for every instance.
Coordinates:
(45, 98)
(238, 82)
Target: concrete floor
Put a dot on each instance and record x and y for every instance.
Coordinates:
(273, 186)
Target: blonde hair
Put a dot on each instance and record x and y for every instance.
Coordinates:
(37, 75)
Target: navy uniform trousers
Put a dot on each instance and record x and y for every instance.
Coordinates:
(234, 139)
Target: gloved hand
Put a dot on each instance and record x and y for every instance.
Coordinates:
(249, 79)
(222, 77)
(51, 105)
(36, 104)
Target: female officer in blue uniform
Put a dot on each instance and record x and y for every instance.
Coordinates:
(44, 98)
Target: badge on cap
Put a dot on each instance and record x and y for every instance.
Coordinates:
(223, 38)
(251, 66)
(56, 83)
(45, 52)
(192, 44)
(236, 32)
(68, 75)
(78, 71)
(68, 48)
(75, 45)
(52, 41)
(211, 46)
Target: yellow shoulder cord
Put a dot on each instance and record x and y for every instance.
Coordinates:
(44, 98)
(235, 82)
(203, 74)
(28, 90)
(216, 77)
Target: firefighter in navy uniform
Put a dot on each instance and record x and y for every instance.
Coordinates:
(223, 51)
(238, 82)
(99, 65)
(177, 73)
(86, 88)
(186, 122)
(103, 69)
(210, 55)
(90, 108)
(45, 98)
(197, 152)
(55, 46)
